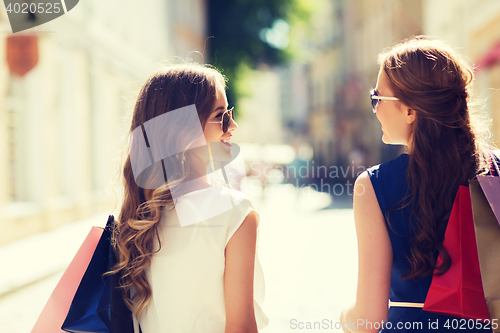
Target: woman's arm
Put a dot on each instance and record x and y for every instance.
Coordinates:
(239, 277)
(374, 260)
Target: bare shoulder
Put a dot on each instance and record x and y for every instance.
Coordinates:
(244, 238)
(363, 187)
(252, 218)
(363, 177)
(249, 225)
(365, 203)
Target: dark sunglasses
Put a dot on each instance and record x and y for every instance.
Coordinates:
(227, 116)
(375, 99)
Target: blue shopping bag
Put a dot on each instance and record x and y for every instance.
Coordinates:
(98, 306)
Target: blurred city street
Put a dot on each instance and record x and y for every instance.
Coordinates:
(298, 74)
(309, 258)
(308, 255)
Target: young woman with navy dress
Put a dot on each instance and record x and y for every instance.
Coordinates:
(423, 100)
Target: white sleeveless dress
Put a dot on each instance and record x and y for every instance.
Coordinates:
(187, 275)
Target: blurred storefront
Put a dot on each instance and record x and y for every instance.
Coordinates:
(350, 35)
(64, 107)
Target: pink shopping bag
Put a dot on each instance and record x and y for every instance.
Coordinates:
(485, 194)
(57, 307)
(491, 189)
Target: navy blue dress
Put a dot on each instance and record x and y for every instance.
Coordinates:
(390, 185)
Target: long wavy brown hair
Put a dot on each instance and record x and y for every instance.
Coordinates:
(447, 144)
(135, 232)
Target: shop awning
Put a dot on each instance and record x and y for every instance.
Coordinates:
(490, 58)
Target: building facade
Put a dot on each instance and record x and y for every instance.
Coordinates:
(63, 125)
(342, 128)
(473, 27)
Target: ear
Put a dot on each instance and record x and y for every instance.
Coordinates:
(410, 116)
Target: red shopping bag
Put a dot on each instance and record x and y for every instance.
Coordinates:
(57, 307)
(459, 291)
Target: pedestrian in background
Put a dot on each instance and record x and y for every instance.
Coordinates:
(401, 207)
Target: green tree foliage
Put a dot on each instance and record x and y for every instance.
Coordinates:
(244, 33)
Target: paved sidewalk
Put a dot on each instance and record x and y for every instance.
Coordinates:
(37, 257)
